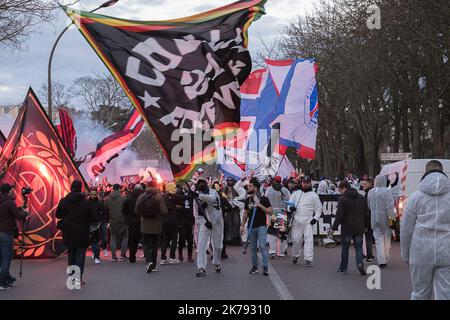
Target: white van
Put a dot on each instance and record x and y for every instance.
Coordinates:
(410, 173)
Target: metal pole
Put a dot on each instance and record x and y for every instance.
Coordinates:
(49, 70)
(49, 84)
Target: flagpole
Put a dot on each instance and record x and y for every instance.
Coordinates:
(50, 60)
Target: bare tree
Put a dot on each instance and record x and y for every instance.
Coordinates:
(19, 18)
(60, 95)
(101, 94)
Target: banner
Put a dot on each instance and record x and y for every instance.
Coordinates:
(326, 220)
(34, 156)
(183, 75)
(111, 147)
(67, 131)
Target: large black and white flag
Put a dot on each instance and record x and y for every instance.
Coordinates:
(182, 75)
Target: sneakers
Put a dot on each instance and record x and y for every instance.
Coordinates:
(164, 262)
(265, 273)
(190, 260)
(201, 273)
(114, 259)
(362, 271)
(93, 256)
(97, 261)
(149, 267)
(382, 266)
(308, 264)
(105, 253)
(341, 270)
(218, 268)
(295, 260)
(224, 256)
(174, 261)
(123, 258)
(253, 270)
(155, 269)
(5, 287)
(272, 256)
(369, 259)
(180, 258)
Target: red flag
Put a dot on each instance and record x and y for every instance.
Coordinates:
(2, 141)
(67, 131)
(34, 156)
(113, 145)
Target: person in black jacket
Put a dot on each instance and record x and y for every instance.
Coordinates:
(76, 214)
(9, 213)
(367, 186)
(134, 221)
(170, 232)
(353, 216)
(185, 224)
(100, 212)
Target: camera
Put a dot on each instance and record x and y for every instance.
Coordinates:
(26, 191)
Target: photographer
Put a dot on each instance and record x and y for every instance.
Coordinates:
(9, 213)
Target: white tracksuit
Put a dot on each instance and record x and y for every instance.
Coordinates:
(381, 205)
(308, 207)
(204, 234)
(239, 188)
(425, 238)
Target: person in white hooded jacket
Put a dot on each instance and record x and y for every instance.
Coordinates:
(307, 211)
(381, 205)
(210, 226)
(425, 235)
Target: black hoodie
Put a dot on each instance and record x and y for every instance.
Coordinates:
(8, 214)
(77, 214)
(352, 213)
(129, 206)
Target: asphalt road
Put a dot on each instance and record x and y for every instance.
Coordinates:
(46, 279)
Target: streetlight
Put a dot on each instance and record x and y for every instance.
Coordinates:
(108, 3)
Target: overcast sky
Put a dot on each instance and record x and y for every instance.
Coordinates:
(74, 57)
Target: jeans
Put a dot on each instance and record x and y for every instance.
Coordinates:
(77, 257)
(186, 235)
(123, 238)
(6, 255)
(169, 237)
(358, 242)
(258, 239)
(151, 243)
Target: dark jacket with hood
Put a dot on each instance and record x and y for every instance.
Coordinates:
(77, 213)
(172, 201)
(8, 214)
(352, 214)
(129, 209)
(185, 214)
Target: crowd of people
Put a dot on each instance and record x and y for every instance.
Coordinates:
(205, 214)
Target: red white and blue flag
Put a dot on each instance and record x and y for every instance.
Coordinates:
(283, 96)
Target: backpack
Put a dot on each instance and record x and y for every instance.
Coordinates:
(149, 207)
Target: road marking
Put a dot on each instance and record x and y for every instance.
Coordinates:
(278, 284)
